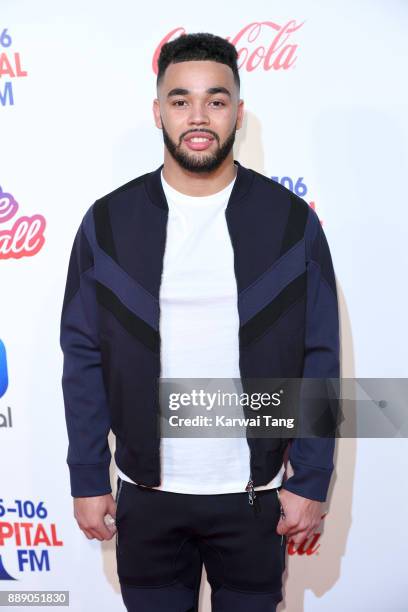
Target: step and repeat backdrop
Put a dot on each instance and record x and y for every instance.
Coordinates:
(325, 91)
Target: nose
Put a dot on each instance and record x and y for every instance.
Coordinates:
(198, 114)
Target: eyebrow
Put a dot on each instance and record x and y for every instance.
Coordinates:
(180, 91)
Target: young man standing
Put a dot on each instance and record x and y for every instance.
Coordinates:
(201, 268)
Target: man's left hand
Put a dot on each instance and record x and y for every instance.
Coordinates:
(302, 516)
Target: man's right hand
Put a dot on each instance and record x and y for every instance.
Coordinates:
(90, 513)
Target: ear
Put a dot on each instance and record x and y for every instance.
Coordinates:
(156, 113)
(240, 114)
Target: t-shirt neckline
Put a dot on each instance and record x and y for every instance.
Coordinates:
(197, 199)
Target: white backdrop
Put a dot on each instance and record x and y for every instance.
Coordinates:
(76, 91)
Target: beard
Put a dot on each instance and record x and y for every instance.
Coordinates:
(203, 162)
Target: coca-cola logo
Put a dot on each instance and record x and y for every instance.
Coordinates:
(261, 44)
(26, 237)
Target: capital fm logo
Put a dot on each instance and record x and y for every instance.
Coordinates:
(27, 538)
(264, 45)
(3, 369)
(10, 68)
(26, 236)
(297, 186)
(26, 535)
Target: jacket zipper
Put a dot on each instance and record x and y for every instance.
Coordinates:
(252, 498)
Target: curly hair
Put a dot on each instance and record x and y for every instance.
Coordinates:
(199, 46)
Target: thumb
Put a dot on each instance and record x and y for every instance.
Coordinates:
(281, 527)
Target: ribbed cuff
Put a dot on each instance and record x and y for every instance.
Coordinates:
(309, 481)
(90, 480)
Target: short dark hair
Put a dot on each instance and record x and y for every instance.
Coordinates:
(198, 46)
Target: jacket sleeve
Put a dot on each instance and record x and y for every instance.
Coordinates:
(86, 408)
(312, 458)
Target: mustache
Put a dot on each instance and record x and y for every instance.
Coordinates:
(213, 134)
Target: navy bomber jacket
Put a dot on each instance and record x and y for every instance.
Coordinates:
(110, 337)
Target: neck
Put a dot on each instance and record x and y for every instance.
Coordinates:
(198, 183)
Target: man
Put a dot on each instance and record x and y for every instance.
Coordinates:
(201, 268)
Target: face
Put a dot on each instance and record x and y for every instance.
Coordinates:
(199, 110)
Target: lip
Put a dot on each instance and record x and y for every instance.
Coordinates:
(198, 146)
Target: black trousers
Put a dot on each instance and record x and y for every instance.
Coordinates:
(164, 538)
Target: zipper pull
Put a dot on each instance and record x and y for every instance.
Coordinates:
(251, 493)
(252, 498)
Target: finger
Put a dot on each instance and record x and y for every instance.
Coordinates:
(310, 530)
(285, 528)
(309, 533)
(298, 539)
(88, 534)
(95, 533)
(302, 536)
(294, 530)
(103, 532)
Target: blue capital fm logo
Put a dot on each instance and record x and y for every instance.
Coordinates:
(27, 537)
(5, 419)
(3, 369)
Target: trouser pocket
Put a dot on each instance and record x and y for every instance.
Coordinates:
(118, 496)
(283, 537)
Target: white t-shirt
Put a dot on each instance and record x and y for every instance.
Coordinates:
(199, 330)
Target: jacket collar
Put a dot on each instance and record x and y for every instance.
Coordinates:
(241, 186)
